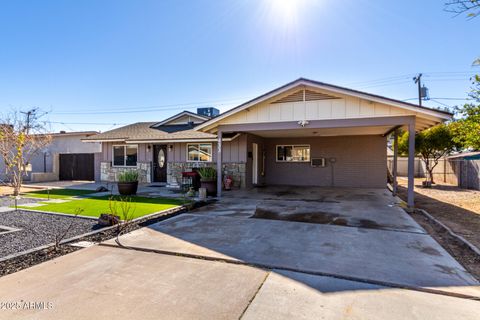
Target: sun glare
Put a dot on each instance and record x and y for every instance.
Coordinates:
(287, 11)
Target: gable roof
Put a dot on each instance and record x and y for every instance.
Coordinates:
(180, 115)
(332, 88)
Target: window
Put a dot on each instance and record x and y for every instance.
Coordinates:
(125, 156)
(293, 153)
(201, 152)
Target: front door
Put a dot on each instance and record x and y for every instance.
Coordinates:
(160, 163)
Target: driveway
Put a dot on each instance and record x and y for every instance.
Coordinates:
(356, 255)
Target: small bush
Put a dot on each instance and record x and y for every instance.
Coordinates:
(128, 176)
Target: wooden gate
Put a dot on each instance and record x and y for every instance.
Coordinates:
(77, 166)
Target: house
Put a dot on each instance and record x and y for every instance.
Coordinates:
(305, 133)
(65, 158)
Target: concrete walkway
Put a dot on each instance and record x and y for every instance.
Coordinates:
(217, 263)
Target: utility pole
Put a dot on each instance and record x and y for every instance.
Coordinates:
(418, 80)
(29, 113)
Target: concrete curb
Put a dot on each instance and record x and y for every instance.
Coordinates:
(88, 234)
(465, 242)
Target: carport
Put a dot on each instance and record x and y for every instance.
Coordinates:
(333, 136)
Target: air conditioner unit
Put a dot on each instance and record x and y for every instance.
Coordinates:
(318, 162)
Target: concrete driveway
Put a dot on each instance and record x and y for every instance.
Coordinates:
(363, 258)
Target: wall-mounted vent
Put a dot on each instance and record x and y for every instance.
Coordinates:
(318, 162)
(309, 96)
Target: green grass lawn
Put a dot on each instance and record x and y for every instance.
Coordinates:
(57, 193)
(93, 207)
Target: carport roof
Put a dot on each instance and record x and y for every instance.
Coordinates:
(441, 115)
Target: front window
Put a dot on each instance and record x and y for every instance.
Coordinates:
(293, 153)
(125, 156)
(199, 152)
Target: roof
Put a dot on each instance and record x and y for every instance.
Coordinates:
(303, 81)
(181, 114)
(66, 134)
(74, 133)
(143, 131)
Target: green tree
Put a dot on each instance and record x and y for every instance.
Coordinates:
(430, 145)
(466, 130)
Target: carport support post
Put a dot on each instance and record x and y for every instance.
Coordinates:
(395, 158)
(411, 164)
(219, 163)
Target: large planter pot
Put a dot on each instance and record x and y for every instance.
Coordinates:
(127, 188)
(210, 185)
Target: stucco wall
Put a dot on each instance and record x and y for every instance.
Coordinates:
(60, 144)
(63, 144)
(361, 161)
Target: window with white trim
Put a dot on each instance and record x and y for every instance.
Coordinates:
(199, 152)
(125, 156)
(293, 153)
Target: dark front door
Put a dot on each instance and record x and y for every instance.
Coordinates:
(160, 163)
(76, 166)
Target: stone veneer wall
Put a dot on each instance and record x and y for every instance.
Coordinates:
(236, 170)
(110, 174)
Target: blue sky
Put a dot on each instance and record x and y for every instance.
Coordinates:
(146, 60)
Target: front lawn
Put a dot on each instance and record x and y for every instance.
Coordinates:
(93, 207)
(57, 193)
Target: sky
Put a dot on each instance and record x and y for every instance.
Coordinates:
(97, 65)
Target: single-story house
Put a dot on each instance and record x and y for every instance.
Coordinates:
(65, 158)
(306, 133)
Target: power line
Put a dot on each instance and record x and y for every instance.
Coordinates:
(95, 123)
(152, 108)
(459, 99)
(433, 74)
(443, 104)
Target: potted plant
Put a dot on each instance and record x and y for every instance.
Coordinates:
(208, 179)
(128, 182)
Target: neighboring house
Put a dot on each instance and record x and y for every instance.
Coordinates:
(65, 158)
(305, 133)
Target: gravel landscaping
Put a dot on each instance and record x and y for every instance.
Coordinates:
(38, 229)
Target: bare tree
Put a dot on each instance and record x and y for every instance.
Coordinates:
(121, 208)
(60, 236)
(470, 7)
(22, 136)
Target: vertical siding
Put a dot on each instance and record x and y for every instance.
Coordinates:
(143, 155)
(233, 151)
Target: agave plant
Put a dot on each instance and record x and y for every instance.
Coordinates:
(207, 173)
(128, 176)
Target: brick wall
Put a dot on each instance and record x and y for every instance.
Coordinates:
(360, 161)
